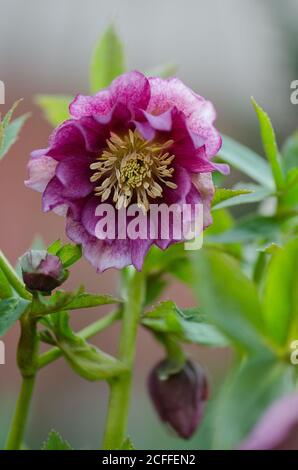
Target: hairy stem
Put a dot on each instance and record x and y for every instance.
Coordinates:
(120, 388)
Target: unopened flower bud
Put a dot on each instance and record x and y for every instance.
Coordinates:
(42, 271)
(180, 398)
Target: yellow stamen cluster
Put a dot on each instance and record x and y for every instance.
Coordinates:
(131, 167)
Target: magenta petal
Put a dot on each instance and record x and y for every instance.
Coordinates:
(131, 89)
(89, 219)
(183, 148)
(67, 140)
(175, 196)
(139, 249)
(94, 133)
(87, 105)
(199, 113)
(101, 254)
(74, 174)
(200, 121)
(183, 181)
(117, 119)
(52, 195)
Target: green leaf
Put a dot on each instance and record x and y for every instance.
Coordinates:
(55, 107)
(55, 247)
(10, 134)
(290, 152)
(162, 71)
(69, 254)
(247, 161)
(281, 294)
(86, 300)
(88, 361)
(5, 288)
(10, 311)
(234, 197)
(167, 318)
(85, 359)
(107, 60)
(8, 116)
(245, 396)
(55, 442)
(228, 298)
(70, 301)
(127, 445)
(222, 194)
(248, 229)
(269, 248)
(289, 197)
(269, 144)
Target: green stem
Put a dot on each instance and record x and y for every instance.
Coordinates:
(85, 333)
(13, 278)
(18, 425)
(27, 362)
(115, 431)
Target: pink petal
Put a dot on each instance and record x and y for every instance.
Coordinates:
(131, 89)
(74, 174)
(200, 114)
(41, 171)
(101, 254)
(82, 105)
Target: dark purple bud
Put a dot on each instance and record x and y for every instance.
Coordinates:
(42, 271)
(180, 398)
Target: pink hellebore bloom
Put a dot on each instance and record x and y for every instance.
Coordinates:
(140, 141)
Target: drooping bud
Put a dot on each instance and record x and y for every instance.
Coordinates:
(179, 398)
(42, 271)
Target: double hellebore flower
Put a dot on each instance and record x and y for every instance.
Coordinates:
(141, 141)
(42, 271)
(180, 398)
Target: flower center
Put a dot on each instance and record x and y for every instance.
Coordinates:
(131, 167)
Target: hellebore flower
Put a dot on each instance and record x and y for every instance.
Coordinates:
(139, 141)
(277, 428)
(179, 399)
(42, 271)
